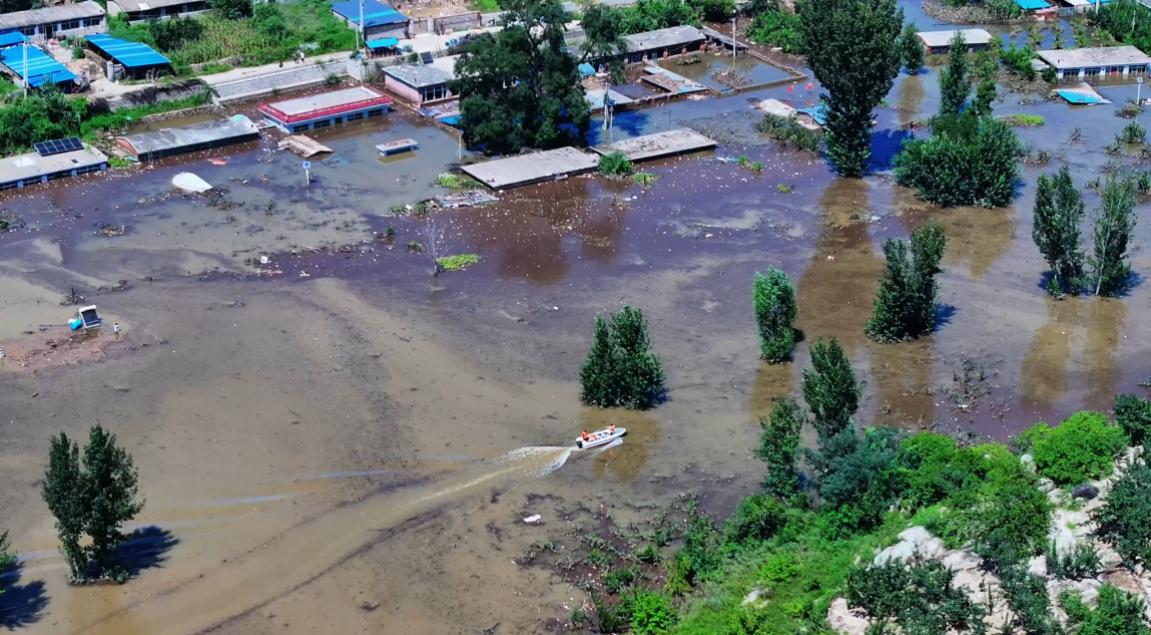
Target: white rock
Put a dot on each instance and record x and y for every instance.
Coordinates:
(755, 598)
(1108, 557)
(899, 552)
(1037, 566)
(534, 519)
(845, 621)
(1028, 462)
(962, 561)
(917, 535)
(1046, 484)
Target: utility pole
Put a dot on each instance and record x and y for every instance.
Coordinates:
(25, 68)
(361, 37)
(733, 19)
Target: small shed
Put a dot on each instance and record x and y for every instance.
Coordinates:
(939, 42)
(14, 38)
(136, 59)
(380, 20)
(41, 68)
(420, 84)
(675, 40)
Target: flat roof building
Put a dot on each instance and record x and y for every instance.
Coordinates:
(658, 145)
(1096, 61)
(420, 84)
(380, 20)
(147, 146)
(65, 20)
(133, 59)
(23, 170)
(138, 10)
(663, 42)
(535, 167)
(939, 42)
(325, 109)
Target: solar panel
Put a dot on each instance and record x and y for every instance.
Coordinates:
(58, 146)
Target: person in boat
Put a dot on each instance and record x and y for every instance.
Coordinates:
(586, 436)
(611, 428)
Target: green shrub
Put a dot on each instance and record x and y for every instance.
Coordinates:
(779, 448)
(928, 465)
(905, 304)
(1079, 449)
(651, 613)
(1081, 562)
(1132, 133)
(1006, 517)
(1133, 414)
(1116, 613)
(777, 28)
(619, 579)
(620, 369)
(857, 478)
(967, 161)
(830, 389)
(788, 132)
(780, 567)
(919, 598)
(457, 262)
(644, 179)
(1027, 597)
(775, 311)
(758, 517)
(615, 164)
(1123, 518)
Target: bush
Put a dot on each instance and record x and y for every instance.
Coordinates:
(918, 598)
(458, 262)
(1080, 563)
(651, 613)
(758, 517)
(1018, 61)
(1027, 597)
(1007, 518)
(615, 164)
(1122, 520)
(774, 298)
(1116, 613)
(788, 132)
(619, 579)
(929, 469)
(966, 161)
(777, 28)
(1080, 449)
(857, 477)
(778, 448)
(232, 9)
(620, 369)
(1132, 133)
(830, 389)
(905, 305)
(1133, 414)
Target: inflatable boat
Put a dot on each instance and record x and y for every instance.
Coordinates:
(600, 437)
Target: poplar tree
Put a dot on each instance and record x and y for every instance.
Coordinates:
(1059, 212)
(779, 447)
(911, 48)
(851, 48)
(906, 303)
(830, 389)
(1110, 269)
(620, 369)
(954, 85)
(775, 311)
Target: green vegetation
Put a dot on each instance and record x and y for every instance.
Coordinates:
(91, 500)
(830, 389)
(644, 179)
(7, 558)
(651, 613)
(519, 87)
(779, 449)
(1132, 133)
(1133, 414)
(775, 311)
(1110, 270)
(905, 305)
(838, 35)
(615, 164)
(1117, 612)
(1018, 60)
(1122, 520)
(788, 132)
(911, 49)
(457, 262)
(247, 34)
(1079, 449)
(1124, 21)
(1023, 120)
(1059, 211)
(456, 181)
(913, 599)
(970, 158)
(776, 27)
(620, 369)
(1079, 563)
(986, 76)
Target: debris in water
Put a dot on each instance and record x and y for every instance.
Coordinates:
(189, 182)
(534, 519)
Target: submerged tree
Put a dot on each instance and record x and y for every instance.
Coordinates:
(7, 558)
(620, 369)
(520, 87)
(775, 311)
(1110, 269)
(830, 389)
(94, 500)
(905, 305)
(1133, 414)
(851, 48)
(986, 72)
(911, 48)
(779, 448)
(954, 85)
(1058, 214)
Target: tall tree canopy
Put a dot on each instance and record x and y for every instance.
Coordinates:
(519, 88)
(851, 47)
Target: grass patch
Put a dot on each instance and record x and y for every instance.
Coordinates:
(118, 120)
(644, 178)
(1024, 120)
(456, 181)
(615, 164)
(789, 133)
(457, 262)
(484, 6)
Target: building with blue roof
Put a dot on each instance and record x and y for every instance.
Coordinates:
(132, 59)
(380, 20)
(13, 38)
(1032, 5)
(40, 68)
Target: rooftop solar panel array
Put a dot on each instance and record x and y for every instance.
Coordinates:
(58, 146)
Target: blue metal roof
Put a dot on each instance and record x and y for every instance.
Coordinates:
(383, 43)
(1031, 5)
(817, 113)
(11, 39)
(375, 13)
(586, 70)
(130, 54)
(1077, 97)
(42, 68)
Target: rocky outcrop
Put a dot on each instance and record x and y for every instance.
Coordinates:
(846, 621)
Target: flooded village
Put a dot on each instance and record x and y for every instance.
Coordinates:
(336, 433)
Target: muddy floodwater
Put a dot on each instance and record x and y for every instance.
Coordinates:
(332, 439)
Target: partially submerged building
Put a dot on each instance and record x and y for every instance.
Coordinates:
(379, 20)
(419, 84)
(939, 42)
(65, 20)
(138, 10)
(1084, 63)
(55, 159)
(651, 45)
(146, 146)
(325, 109)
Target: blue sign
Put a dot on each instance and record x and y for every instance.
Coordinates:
(307, 165)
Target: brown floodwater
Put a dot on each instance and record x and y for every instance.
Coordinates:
(339, 441)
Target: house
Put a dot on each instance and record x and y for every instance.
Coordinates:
(1038, 8)
(52, 160)
(379, 20)
(325, 109)
(128, 59)
(138, 10)
(1084, 63)
(420, 84)
(65, 20)
(651, 45)
(33, 63)
(939, 42)
(146, 146)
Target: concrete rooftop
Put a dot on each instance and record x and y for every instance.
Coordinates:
(32, 165)
(532, 168)
(660, 144)
(1093, 57)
